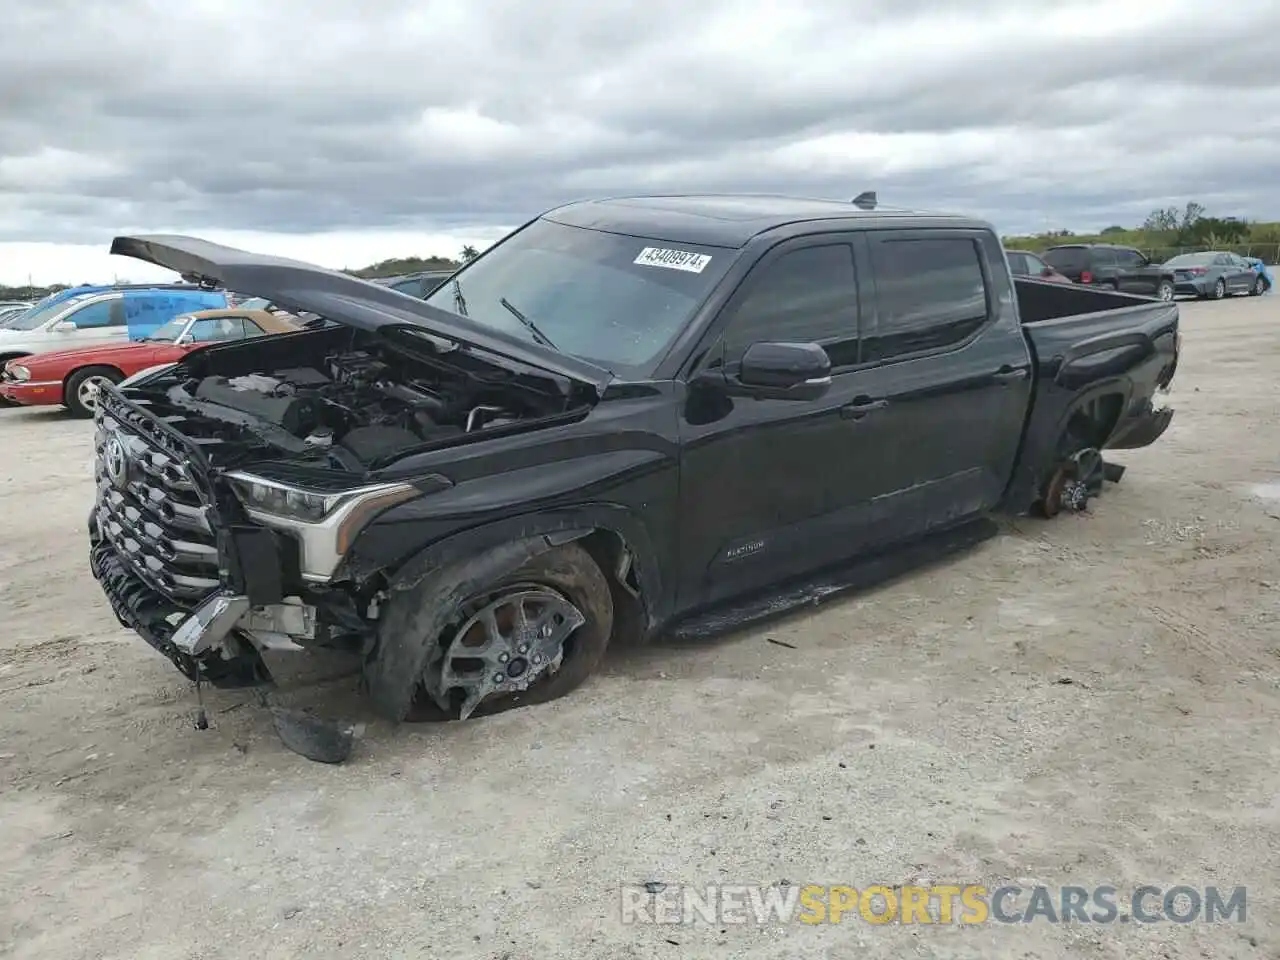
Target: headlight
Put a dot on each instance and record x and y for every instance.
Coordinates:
(325, 523)
(17, 372)
(284, 502)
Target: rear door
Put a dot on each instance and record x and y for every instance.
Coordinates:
(1242, 275)
(943, 349)
(1134, 274)
(1104, 267)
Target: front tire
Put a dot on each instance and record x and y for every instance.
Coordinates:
(565, 581)
(81, 392)
(1164, 291)
(1259, 286)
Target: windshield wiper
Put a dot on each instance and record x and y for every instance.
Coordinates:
(459, 304)
(538, 335)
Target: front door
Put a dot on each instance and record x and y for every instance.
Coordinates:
(101, 320)
(756, 474)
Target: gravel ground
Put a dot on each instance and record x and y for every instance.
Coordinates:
(1091, 700)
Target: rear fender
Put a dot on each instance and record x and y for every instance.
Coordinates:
(1040, 450)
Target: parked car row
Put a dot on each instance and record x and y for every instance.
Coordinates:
(61, 350)
(72, 378)
(1212, 274)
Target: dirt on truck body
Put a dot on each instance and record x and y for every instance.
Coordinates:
(625, 418)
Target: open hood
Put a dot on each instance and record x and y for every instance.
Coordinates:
(343, 299)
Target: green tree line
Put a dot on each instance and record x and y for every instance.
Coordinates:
(1171, 231)
(1164, 234)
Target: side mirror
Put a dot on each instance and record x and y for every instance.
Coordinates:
(782, 371)
(65, 326)
(185, 339)
(1047, 272)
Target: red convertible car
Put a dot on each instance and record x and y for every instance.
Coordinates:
(72, 377)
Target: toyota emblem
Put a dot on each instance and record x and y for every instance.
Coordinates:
(117, 462)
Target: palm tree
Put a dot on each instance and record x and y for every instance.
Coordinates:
(469, 253)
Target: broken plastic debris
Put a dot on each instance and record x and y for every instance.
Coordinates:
(324, 741)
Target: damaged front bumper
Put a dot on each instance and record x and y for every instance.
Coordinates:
(220, 641)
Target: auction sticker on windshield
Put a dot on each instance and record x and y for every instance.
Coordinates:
(673, 259)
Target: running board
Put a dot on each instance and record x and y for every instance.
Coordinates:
(860, 574)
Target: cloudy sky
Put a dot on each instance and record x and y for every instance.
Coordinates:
(414, 126)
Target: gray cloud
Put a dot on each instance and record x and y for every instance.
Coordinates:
(302, 117)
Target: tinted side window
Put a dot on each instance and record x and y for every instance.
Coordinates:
(1019, 264)
(807, 296)
(931, 294)
(1103, 257)
(95, 315)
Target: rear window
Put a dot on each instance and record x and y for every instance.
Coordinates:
(1067, 259)
(1191, 260)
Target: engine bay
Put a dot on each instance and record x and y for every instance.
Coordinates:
(352, 409)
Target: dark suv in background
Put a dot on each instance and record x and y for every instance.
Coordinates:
(1106, 265)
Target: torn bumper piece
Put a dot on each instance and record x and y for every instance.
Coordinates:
(210, 623)
(196, 642)
(1146, 425)
(1142, 431)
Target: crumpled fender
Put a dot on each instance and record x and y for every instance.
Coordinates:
(420, 604)
(426, 591)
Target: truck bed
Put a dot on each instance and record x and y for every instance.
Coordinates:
(1100, 359)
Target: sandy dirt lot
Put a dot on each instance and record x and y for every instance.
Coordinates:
(1091, 700)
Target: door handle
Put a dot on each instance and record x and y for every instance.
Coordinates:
(860, 407)
(1008, 374)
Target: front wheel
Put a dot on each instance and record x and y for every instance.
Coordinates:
(1259, 286)
(81, 392)
(1165, 290)
(533, 635)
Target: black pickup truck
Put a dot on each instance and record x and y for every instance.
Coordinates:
(630, 416)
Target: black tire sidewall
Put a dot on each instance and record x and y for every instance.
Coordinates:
(570, 570)
(1219, 290)
(70, 392)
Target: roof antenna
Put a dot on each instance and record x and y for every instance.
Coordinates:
(866, 200)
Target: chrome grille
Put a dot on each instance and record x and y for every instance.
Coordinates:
(153, 513)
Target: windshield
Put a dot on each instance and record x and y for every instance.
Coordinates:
(616, 301)
(39, 315)
(170, 331)
(1191, 260)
